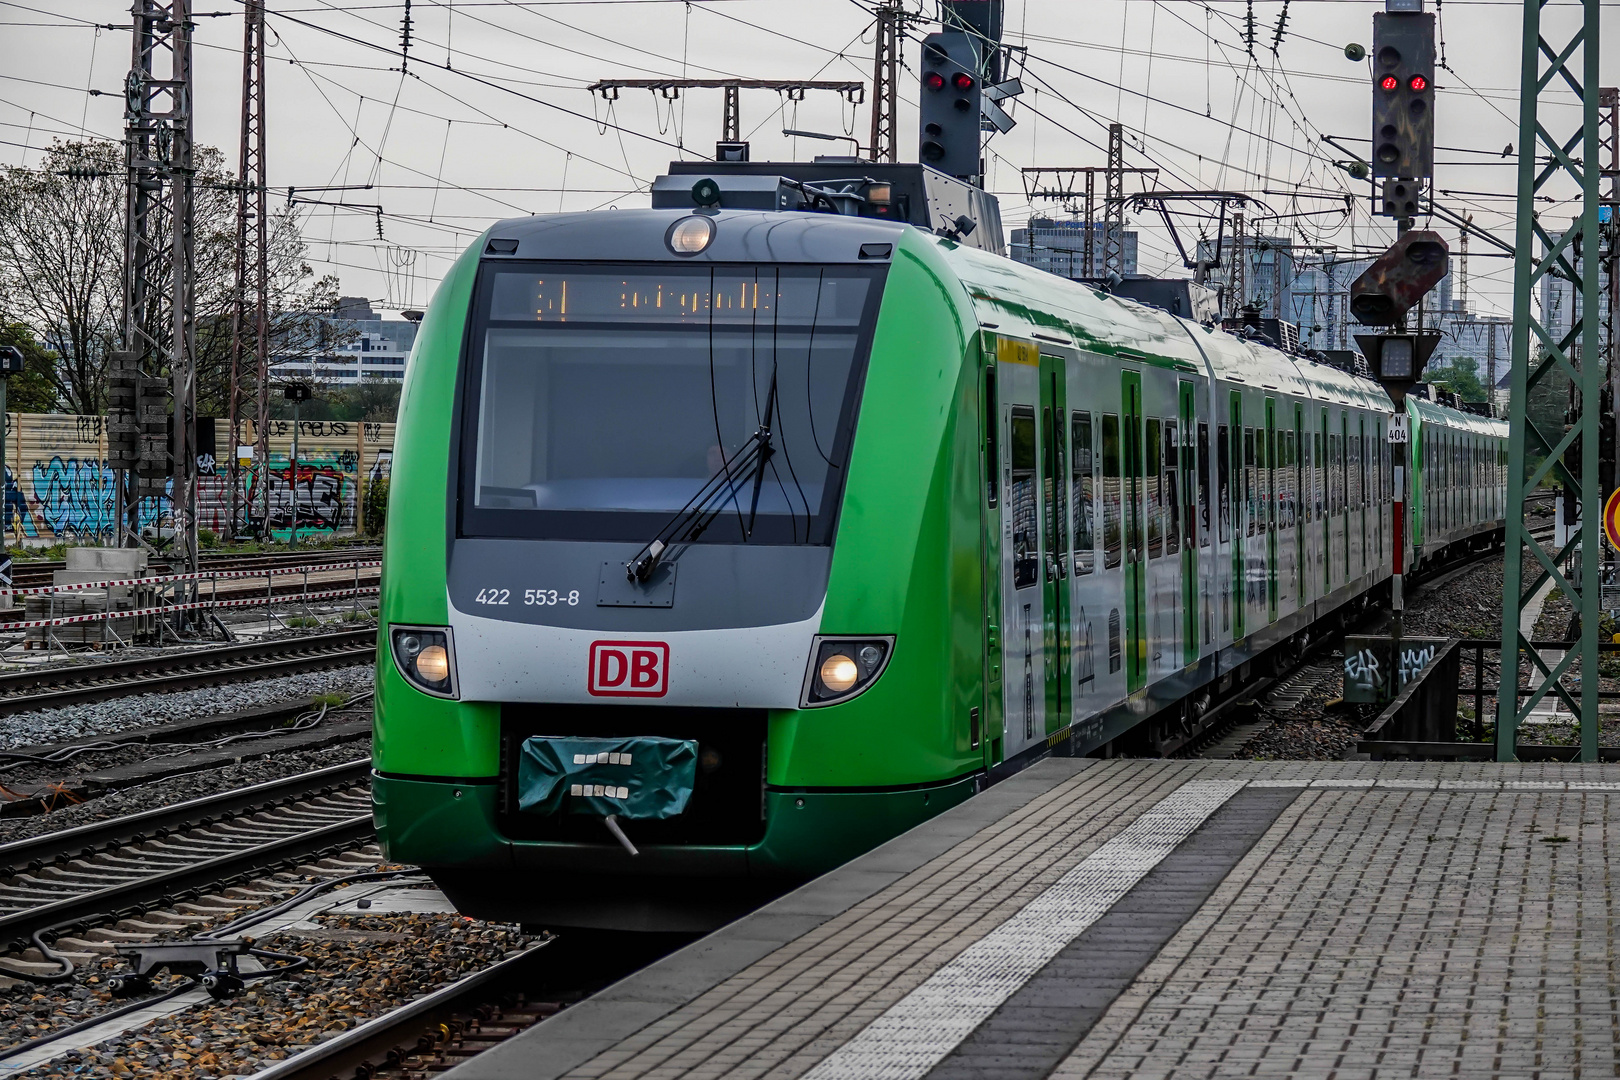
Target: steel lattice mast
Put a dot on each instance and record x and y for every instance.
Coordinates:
(159, 249)
(250, 337)
(1571, 455)
(885, 79)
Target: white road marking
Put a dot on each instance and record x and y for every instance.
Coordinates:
(919, 1030)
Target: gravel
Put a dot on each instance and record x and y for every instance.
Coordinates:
(360, 967)
(105, 717)
(178, 789)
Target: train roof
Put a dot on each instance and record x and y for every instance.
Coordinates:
(1021, 299)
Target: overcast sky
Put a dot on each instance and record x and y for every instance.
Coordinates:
(493, 118)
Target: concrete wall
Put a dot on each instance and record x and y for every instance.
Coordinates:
(59, 488)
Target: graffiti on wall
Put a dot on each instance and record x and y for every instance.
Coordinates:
(59, 487)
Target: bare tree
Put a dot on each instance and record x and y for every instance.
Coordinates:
(61, 273)
(61, 261)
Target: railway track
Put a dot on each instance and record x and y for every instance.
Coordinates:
(80, 878)
(33, 574)
(50, 687)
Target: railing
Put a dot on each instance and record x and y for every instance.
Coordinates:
(1422, 720)
(157, 598)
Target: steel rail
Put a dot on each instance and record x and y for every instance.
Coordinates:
(65, 685)
(166, 886)
(342, 1053)
(51, 848)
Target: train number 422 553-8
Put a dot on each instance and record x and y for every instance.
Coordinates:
(531, 597)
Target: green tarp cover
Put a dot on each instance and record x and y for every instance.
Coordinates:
(642, 777)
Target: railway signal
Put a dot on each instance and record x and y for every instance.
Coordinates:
(1403, 64)
(951, 104)
(1399, 278)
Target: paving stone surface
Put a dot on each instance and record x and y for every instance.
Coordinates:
(1412, 919)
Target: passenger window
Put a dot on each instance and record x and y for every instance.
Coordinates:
(1085, 495)
(1250, 489)
(1318, 481)
(1172, 489)
(1026, 556)
(1112, 493)
(1055, 509)
(1262, 474)
(1223, 479)
(1155, 508)
(1203, 485)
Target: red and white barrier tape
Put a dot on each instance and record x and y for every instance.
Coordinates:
(201, 575)
(250, 601)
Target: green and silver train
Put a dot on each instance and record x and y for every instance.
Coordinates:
(867, 517)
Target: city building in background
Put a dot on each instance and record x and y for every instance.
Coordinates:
(372, 348)
(1059, 247)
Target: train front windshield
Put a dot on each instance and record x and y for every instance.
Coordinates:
(600, 400)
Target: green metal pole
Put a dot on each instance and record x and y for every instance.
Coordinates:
(1536, 354)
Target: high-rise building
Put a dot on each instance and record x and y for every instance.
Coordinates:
(1058, 247)
(373, 348)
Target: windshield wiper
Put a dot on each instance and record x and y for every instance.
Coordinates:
(691, 520)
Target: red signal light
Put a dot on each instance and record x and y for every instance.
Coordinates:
(934, 81)
(963, 81)
(1390, 82)
(1419, 83)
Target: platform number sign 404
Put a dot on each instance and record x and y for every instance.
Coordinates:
(1399, 433)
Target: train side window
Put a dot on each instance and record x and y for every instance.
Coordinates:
(1112, 492)
(1026, 554)
(1223, 479)
(1291, 479)
(992, 439)
(1262, 474)
(1355, 471)
(1051, 469)
(1172, 489)
(1250, 488)
(1155, 505)
(1085, 495)
(1317, 493)
(1203, 485)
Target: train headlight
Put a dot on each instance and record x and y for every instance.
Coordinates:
(426, 657)
(690, 235)
(841, 668)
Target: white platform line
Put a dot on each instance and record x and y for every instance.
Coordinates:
(1364, 784)
(919, 1030)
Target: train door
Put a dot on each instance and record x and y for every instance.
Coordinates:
(1324, 470)
(1190, 468)
(1135, 547)
(1270, 516)
(1023, 609)
(1055, 543)
(985, 729)
(1240, 571)
(1302, 500)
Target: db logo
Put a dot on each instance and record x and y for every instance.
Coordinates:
(629, 668)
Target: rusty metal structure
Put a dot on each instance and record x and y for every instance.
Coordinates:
(887, 33)
(159, 314)
(250, 330)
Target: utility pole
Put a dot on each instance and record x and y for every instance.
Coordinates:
(1460, 294)
(1236, 284)
(886, 37)
(251, 321)
(1549, 152)
(158, 262)
(1114, 203)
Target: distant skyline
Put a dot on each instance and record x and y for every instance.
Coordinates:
(493, 120)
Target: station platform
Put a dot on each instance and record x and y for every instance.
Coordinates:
(1160, 919)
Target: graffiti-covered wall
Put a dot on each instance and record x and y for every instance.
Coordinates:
(58, 486)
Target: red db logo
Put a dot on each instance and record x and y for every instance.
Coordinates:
(629, 668)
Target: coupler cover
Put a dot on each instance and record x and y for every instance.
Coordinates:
(639, 778)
